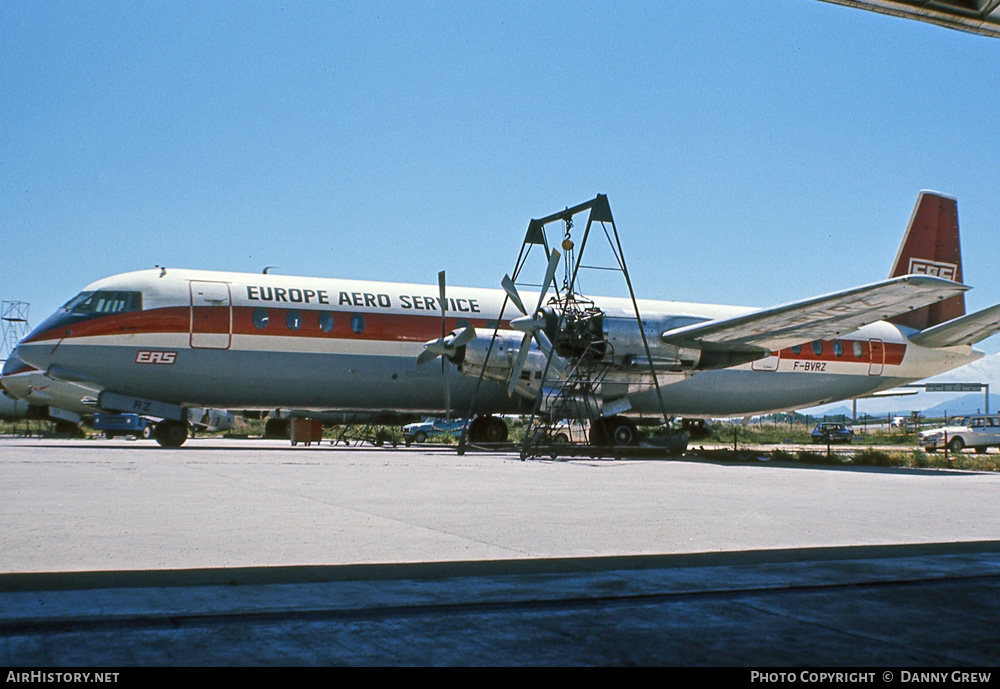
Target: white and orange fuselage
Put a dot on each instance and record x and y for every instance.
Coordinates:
(251, 341)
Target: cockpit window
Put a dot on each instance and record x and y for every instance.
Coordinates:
(104, 302)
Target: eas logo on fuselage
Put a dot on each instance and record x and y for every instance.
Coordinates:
(921, 266)
(144, 356)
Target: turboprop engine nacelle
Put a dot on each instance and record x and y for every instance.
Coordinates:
(626, 348)
(502, 358)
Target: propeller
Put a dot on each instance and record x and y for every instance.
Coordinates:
(530, 324)
(445, 346)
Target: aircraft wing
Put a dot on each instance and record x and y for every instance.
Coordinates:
(964, 330)
(831, 315)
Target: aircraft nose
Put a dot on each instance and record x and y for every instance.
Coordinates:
(31, 356)
(13, 364)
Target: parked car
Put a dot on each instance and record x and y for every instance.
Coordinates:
(569, 430)
(832, 433)
(422, 430)
(978, 431)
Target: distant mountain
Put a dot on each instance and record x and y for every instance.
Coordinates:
(833, 411)
(966, 404)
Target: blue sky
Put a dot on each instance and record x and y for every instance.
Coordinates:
(753, 153)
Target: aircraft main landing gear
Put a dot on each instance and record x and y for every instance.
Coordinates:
(487, 429)
(617, 431)
(277, 428)
(171, 433)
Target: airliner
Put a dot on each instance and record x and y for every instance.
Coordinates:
(164, 341)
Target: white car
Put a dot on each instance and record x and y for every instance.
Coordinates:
(568, 430)
(978, 431)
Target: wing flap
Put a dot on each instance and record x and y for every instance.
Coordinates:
(827, 316)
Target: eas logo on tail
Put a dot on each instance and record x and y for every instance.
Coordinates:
(921, 266)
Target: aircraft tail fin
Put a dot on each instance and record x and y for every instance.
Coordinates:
(931, 247)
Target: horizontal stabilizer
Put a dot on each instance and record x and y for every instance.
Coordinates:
(895, 392)
(966, 330)
(828, 316)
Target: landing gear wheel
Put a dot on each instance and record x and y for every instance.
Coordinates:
(956, 445)
(67, 428)
(477, 430)
(171, 433)
(617, 431)
(277, 429)
(487, 429)
(624, 433)
(496, 431)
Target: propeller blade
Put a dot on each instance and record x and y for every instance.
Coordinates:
(447, 392)
(544, 343)
(511, 290)
(467, 335)
(444, 305)
(524, 324)
(432, 350)
(438, 347)
(446, 347)
(522, 356)
(530, 324)
(425, 356)
(442, 300)
(550, 272)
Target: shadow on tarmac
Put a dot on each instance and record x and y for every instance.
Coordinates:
(898, 605)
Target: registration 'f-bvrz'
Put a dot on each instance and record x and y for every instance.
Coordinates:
(162, 342)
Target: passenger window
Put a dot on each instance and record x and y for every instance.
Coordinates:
(260, 318)
(797, 349)
(293, 319)
(817, 347)
(859, 349)
(838, 348)
(358, 323)
(326, 321)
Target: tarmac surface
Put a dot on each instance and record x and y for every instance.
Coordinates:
(224, 552)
